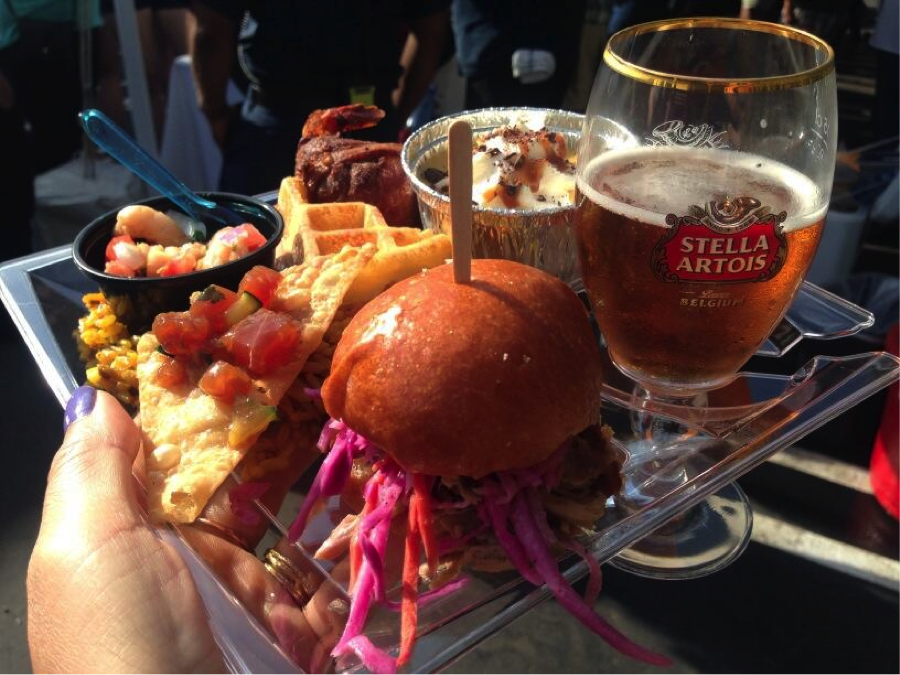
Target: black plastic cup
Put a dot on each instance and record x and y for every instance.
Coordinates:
(146, 297)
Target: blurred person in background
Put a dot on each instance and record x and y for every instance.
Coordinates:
(687, 8)
(593, 41)
(886, 43)
(828, 19)
(431, 104)
(774, 11)
(163, 27)
(110, 80)
(517, 53)
(39, 56)
(40, 96)
(302, 56)
(164, 30)
(625, 13)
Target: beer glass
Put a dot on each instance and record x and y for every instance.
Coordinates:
(704, 174)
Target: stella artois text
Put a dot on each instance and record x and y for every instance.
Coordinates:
(691, 257)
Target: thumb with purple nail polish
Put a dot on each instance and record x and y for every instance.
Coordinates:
(131, 588)
(106, 593)
(80, 405)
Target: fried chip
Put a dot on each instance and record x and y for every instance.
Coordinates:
(186, 431)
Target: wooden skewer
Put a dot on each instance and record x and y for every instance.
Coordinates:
(460, 175)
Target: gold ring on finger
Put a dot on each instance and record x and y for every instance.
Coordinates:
(288, 575)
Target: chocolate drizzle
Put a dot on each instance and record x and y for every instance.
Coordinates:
(523, 164)
(522, 168)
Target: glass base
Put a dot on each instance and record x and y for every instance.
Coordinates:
(702, 540)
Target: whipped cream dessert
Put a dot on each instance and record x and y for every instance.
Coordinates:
(522, 165)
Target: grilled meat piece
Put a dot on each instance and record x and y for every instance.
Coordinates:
(336, 169)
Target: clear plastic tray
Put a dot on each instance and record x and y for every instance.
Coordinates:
(749, 420)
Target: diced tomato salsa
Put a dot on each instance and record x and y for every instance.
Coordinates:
(263, 342)
(125, 257)
(181, 264)
(212, 304)
(225, 381)
(111, 246)
(181, 333)
(171, 373)
(256, 345)
(261, 282)
(249, 236)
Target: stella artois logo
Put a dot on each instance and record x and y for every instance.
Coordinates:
(730, 241)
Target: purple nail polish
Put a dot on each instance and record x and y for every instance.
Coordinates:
(81, 404)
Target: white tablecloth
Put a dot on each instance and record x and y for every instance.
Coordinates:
(188, 148)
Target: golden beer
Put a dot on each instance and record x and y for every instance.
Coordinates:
(691, 257)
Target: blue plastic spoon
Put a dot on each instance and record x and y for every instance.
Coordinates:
(120, 146)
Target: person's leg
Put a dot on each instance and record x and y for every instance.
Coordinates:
(689, 8)
(593, 41)
(767, 10)
(621, 15)
(171, 21)
(110, 81)
(154, 67)
(625, 13)
(476, 90)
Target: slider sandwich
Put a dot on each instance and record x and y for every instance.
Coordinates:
(469, 415)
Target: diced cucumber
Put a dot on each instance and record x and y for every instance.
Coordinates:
(243, 307)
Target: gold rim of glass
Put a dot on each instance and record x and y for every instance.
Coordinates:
(658, 78)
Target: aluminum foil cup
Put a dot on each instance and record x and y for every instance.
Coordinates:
(540, 238)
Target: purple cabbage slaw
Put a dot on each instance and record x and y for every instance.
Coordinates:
(510, 505)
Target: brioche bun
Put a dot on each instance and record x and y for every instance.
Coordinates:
(468, 379)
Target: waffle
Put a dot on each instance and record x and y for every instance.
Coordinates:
(324, 229)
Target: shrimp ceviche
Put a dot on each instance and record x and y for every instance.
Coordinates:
(150, 243)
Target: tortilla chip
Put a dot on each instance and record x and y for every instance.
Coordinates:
(187, 452)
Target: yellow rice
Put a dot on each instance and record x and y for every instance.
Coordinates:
(107, 349)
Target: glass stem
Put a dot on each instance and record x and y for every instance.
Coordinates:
(654, 465)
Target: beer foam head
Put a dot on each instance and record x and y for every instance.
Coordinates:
(649, 183)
